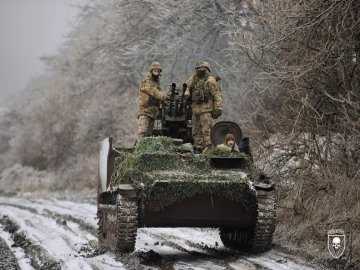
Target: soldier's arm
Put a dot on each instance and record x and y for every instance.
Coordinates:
(148, 88)
(189, 84)
(215, 93)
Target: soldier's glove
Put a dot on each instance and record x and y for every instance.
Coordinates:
(216, 113)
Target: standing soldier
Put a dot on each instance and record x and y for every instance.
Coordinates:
(149, 100)
(206, 104)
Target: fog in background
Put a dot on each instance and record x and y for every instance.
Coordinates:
(29, 30)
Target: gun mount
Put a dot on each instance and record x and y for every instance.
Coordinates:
(174, 118)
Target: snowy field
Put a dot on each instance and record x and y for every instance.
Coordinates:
(63, 234)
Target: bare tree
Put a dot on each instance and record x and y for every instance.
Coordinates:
(304, 103)
(308, 54)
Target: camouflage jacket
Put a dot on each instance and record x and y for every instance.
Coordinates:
(205, 94)
(226, 148)
(150, 96)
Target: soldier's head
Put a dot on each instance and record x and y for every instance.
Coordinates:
(202, 67)
(230, 140)
(155, 69)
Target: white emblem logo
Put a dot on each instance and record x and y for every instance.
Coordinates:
(336, 242)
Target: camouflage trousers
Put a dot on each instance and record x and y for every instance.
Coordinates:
(145, 126)
(201, 128)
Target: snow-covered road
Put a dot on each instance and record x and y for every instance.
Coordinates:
(61, 234)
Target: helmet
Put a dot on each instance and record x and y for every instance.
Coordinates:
(155, 65)
(186, 147)
(229, 137)
(203, 64)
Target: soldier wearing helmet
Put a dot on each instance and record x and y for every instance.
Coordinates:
(206, 103)
(229, 144)
(149, 99)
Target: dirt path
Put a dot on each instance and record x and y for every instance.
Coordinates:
(61, 234)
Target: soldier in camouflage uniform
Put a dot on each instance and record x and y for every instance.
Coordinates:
(149, 100)
(229, 144)
(206, 104)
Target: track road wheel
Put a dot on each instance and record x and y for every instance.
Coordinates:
(257, 239)
(100, 231)
(239, 239)
(265, 224)
(127, 223)
(101, 219)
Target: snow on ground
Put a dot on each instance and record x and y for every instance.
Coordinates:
(23, 262)
(274, 261)
(62, 241)
(65, 228)
(198, 265)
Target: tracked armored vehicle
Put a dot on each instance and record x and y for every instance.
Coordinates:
(161, 183)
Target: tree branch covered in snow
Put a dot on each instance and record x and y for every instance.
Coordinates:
(308, 84)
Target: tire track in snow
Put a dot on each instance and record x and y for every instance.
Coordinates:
(61, 243)
(44, 232)
(39, 257)
(18, 252)
(83, 225)
(58, 217)
(82, 211)
(7, 259)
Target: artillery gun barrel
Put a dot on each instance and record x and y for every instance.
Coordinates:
(172, 93)
(176, 107)
(182, 99)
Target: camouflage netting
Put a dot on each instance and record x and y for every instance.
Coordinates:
(151, 153)
(219, 152)
(157, 198)
(159, 144)
(155, 159)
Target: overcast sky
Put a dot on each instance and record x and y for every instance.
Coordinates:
(30, 29)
